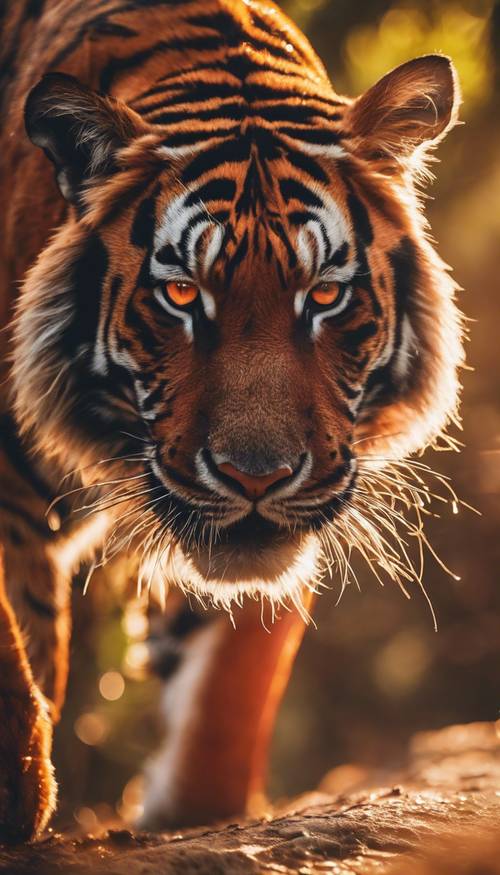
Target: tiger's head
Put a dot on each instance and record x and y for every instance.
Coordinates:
(239, 317)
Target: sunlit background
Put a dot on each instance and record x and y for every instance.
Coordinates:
(374, 671)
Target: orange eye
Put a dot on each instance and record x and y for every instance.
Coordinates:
(326, 294)
(181, 294)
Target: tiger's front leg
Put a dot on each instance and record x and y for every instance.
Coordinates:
(220, 704)
(27, 786)
(34, 636)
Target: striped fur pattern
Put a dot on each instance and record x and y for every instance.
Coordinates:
(200, 144)
(224, 158)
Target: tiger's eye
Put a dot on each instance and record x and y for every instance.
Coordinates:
(181, 294)
(326, 294)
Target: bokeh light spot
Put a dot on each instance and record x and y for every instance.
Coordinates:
(130, 806)
(112, 686)
(92, 728)
(136, 660)
(87, 819)
(134, 622)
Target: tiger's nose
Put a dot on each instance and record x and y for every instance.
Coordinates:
(255, 485)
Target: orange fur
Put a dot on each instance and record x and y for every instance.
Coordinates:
(215, 123)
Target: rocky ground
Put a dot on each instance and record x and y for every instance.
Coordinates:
(440, 816)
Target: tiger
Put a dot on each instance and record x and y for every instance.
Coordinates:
(220, 309)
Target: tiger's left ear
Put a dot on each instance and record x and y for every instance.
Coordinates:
(79, 130)
(412, 106)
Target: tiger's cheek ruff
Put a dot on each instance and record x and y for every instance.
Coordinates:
(427, 353)
(42, 378)
(70, 393)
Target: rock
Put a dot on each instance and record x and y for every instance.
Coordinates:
(440, 816)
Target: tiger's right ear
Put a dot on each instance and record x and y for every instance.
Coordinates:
(79, 130)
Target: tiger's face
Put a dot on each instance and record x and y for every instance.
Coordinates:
(249, 328)
(234, 328)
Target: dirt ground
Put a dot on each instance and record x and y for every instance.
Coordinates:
(440, 816)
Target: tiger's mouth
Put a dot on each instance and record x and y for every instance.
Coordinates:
(251, 533)
(226, 546)
(251, 547)
(276, 566)
(250, 556)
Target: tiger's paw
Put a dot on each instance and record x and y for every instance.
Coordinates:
(27, 783)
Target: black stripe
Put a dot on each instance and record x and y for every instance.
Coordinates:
(276, 51)
(222, 23)
(350, 341)
(97, 26)
(404, 263)
(232, 111)
(135, 320)
(347, 390)
(281, 274)
(237, 258)
(222, 189)
(292, 188)
(199, 135)
(339, 257)
(191, 91)
(302, 113)
(331, 480)
(268, 146)
(197, 220)
(186, 622)
(87, 277)
(308, 165)
(345, 411)
(240, 66)
(301, 217)
(118, 65)
(155, 396)
(48, 612)
(111, 28)
(251, 193)
(234, 151)
(20, 458)
(40, 528)
(292, 258)
(360, 218)
(168, 255)
(272, 92)
(143, 225)
(272, 29)
(34, 8)
(215, 66)
(116, 284)
(326, 242)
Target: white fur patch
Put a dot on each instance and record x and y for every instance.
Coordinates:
(180, 706)
(283, 586)
(333, 151)
(330, 222)
(176, 219)
(407, 347)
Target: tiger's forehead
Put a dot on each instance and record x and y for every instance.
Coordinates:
(264, 217)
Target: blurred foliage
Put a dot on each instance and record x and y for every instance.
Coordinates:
(374, 671)
(405, 30)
